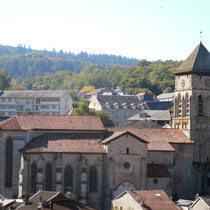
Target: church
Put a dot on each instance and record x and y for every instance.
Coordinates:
(78, 154)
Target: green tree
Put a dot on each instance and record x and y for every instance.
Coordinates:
(4, 80)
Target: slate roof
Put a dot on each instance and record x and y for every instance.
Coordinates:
(32, 93)
(65, 143)
(49, 122)
(197, 62)
(159, 105)
(152, 201)
(103, 99)
(165, 96)
(159, 139)
(162, 115)
(69, 204)
(157, 170)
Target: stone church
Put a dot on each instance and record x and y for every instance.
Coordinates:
(77, 154)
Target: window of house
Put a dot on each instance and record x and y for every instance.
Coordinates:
(93, 179)
(127, 150)
(200, 105)
(68, 179)
(33, 178)
(48, 177)
(8, 162)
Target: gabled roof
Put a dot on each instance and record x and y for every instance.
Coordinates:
(95, 91)
(160, 139)
(146, 123)
(157, 170)
(204, 199)
(165, 96)
(153, 199)
(49, 122)
(197, 62)
(116, 135)
(65, 143)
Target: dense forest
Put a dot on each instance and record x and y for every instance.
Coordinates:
(36, 71)
(82, 56)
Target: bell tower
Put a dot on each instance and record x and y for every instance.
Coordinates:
(192, 101)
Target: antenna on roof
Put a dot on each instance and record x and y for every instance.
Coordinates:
(201, 35)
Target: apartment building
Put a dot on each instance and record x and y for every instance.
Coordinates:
(18, 102)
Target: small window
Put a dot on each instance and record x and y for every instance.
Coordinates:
(121, 208)
(127, 151)
(200, 105)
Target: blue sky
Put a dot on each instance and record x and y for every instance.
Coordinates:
(143, 29)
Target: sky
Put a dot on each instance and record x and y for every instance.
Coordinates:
(142, 29)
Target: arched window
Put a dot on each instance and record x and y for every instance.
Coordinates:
(8, 162)
(93, 182)
(48, 177)
(68, 179)
(33, 178)
(200, 105)
(187, 105)
(179, 106)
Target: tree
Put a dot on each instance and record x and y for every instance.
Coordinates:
(87, 88)
(4, 80)
(106, 120)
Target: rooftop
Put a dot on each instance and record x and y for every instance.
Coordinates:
(162, 115)
(197, 62)
(159, 105)
(159, 139)
(49, 122)
(165, 96)
(32, 93)
(65, 143)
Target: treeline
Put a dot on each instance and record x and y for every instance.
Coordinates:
(82, 56)
(153, 77)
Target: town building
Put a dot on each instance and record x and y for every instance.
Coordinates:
(201, 203)
(19, 102)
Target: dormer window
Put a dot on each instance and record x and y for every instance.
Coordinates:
(116, 105)
(124, 105)
(107, 104)
(133, 106)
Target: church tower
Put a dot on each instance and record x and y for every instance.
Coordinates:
(192, 113)
(192, 101)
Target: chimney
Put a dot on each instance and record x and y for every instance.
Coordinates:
(158, 195)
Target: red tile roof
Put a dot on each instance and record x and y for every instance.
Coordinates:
(157, 170)
(117, 134)
(65, 143)
(48, 122)
(159, 138)
(153, 199)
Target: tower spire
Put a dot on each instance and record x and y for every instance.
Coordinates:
(201, 35)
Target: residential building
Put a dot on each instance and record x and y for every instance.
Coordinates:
(143, 199)
(18, 102)
(119, 108)
(99, 91)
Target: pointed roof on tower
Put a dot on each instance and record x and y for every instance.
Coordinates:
(197, 62)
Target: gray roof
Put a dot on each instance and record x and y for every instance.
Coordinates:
(197, 62)
(103, 99)
(165, 95)
(32, 93)
(182, 202)
(158, 105)
(152, 115)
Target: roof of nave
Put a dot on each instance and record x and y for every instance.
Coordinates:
(197, 62)
(48, 122)
(159, 139)
(65, 143)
